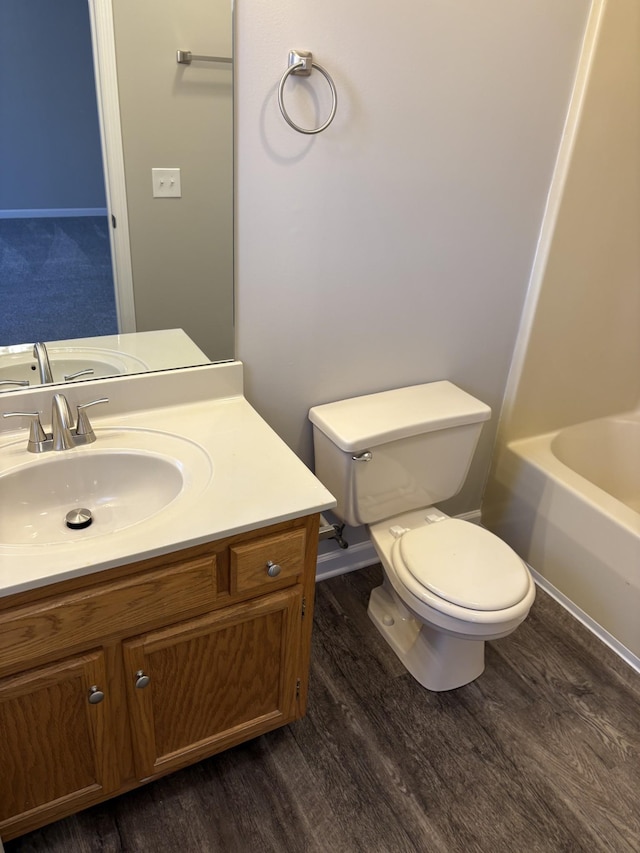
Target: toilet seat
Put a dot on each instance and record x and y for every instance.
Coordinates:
(463, 564)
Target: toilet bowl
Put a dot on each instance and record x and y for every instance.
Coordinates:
(449, 585)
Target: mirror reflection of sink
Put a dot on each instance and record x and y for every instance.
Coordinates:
(127, 477)
(66, 361)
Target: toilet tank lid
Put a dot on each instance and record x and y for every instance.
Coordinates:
(364, 422)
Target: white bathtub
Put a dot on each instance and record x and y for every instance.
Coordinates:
(569, 503)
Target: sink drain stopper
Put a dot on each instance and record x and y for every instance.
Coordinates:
(77, 519)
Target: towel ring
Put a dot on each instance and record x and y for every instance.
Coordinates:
(300, 64)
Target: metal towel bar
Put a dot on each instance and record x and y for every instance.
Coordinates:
(185, 57)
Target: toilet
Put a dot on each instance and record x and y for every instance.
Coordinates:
(449, 585)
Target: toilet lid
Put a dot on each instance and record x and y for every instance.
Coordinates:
(464, 564)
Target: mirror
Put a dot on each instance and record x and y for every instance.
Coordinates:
(176, 272)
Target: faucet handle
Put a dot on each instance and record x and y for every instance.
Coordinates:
(88, 371)
(83, 426)
(37, 436)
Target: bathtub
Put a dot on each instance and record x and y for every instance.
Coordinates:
(569, 503)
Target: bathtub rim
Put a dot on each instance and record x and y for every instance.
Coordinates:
(537, 451)
(528, 484)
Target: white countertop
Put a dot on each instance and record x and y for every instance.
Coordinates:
(256, 479)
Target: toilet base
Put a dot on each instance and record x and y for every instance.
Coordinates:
(438, 661)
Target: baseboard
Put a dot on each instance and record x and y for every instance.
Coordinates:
(604, 636)
(52, 213)
(343, 560)
(340, 561)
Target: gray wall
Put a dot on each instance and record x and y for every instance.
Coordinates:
(395, 247)
(49, 135)
(179, 116)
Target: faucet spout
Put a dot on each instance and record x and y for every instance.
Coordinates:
(64, 435)
(61, 423)
(44, 366)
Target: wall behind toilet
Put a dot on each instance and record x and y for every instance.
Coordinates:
(395, 247)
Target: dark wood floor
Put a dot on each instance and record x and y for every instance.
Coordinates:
(542, 753)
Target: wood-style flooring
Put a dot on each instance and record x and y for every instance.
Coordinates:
(541, 753)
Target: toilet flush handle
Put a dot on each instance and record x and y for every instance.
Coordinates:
(367, 456)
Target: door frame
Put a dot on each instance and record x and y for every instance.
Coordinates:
(104, 62)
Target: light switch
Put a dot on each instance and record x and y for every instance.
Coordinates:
(166, 183)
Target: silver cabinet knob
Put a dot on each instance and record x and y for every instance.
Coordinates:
(95, 695)
(273, 569)
(142, 679)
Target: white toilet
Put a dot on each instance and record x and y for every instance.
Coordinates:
(449, 585)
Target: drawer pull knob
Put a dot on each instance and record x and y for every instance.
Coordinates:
(95, 695)
(141, 679)
(273, 569)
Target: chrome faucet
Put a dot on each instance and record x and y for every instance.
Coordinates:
(62, 429)
(44, 366)
(64, 435)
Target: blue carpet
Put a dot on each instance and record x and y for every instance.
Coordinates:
(56, 279)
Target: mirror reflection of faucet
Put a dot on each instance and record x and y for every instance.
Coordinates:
(41, 354)
(13, 383)
(87, 372)
(45, 372)
(44, 366)
(64, 435)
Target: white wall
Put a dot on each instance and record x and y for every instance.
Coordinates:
(395, 247)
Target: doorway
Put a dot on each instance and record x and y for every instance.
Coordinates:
(63, 271)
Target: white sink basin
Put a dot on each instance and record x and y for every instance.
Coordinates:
(65, 361)
(180, 459)
(127, 477)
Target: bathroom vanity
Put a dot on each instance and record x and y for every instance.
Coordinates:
(116, 669)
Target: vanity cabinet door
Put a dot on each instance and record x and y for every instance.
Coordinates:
(201, 686)
(57, 747)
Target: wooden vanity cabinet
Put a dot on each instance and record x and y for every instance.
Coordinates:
(54, 750)
(114, 679)
(227, 673)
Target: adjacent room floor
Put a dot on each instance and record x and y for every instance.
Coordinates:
(56, 279)
(542, 753)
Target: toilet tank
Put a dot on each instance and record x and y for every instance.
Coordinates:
(392, 452)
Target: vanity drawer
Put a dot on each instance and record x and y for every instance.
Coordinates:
(250, 563)
(60, 623)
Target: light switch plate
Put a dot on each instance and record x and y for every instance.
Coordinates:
(166, 183)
